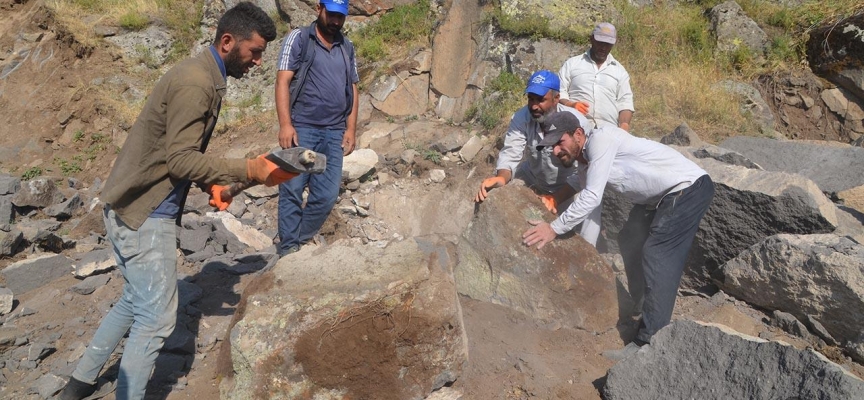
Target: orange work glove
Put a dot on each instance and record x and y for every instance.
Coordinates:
(264, 171)
(582, 107)
(550, 203)
(488, 184)
(216, 199)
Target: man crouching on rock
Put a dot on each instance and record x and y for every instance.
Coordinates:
(670, 195)
(145, 193)
(539, 170)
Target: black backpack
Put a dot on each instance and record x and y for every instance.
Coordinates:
(307, 56)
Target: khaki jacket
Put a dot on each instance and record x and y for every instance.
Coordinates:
(167, 142)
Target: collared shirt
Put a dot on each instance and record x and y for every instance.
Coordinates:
(167, 142)
(324, 99)
(606, 88)
(540, 168)
(641, 170)
(170, 207)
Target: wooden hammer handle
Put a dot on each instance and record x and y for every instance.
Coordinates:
(236, 188)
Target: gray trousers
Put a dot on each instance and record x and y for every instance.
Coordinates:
(654, 245)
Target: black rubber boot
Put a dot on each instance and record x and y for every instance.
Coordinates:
(76, 390)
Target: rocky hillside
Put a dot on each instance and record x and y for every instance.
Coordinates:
(412, 291)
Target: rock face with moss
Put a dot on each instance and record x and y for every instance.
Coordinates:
(578, 17)
(836, 52)
(348, 322)
(565, 281)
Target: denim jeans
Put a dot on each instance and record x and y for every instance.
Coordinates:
(654, 245)
(147, 308)
(297, 224)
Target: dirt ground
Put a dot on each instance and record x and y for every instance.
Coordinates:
(512, 356)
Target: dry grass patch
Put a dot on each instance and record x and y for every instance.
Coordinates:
(688, 93)
(80, 17)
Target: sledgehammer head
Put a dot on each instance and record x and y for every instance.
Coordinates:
(298, 160)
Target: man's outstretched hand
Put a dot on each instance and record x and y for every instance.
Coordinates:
(540, 234)
(487, 185)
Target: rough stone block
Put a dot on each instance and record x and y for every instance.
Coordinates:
(816, 277)
(94, 262)
(690, 360)
(35, 272)
(565, 281)
(388, 321)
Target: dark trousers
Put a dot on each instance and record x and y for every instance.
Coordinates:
(654, 245)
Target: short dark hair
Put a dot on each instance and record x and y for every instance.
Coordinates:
(245, 19)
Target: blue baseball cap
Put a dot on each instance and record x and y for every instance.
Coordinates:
(339, 6)
(542, 82)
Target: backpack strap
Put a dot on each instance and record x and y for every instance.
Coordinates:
(307, 55)
(346, 46)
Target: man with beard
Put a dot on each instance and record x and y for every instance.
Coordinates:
(145, 193)
(670, 195)
(599, 81)
(538, 170)
(316, 92)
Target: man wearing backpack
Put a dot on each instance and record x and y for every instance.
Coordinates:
(316, 92)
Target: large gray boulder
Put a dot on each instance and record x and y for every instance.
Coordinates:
(818, 276)
(690, 360)
(749, 205)
(833, 168)
(735, 30)
(66, 209)
(9, 184)
(38, 193)
(349, 321)
(35, 272)
(565, 281)
(9, 242)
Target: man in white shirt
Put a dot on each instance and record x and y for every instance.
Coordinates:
(597, 79)
(670, 195)
(538, 169)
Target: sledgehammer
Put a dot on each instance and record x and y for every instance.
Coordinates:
(296, 160)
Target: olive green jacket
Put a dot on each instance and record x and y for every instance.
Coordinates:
(166, 145)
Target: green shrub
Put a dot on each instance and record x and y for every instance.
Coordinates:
(31, 173)
(134, 21)
(68, 167)
(403, 26)
(501, 97)
(782, 49)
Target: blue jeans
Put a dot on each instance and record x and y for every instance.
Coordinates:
(297, 224)
(147, 308)
(654, 245)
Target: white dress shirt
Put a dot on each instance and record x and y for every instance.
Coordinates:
(606, 88)
(641, 170)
